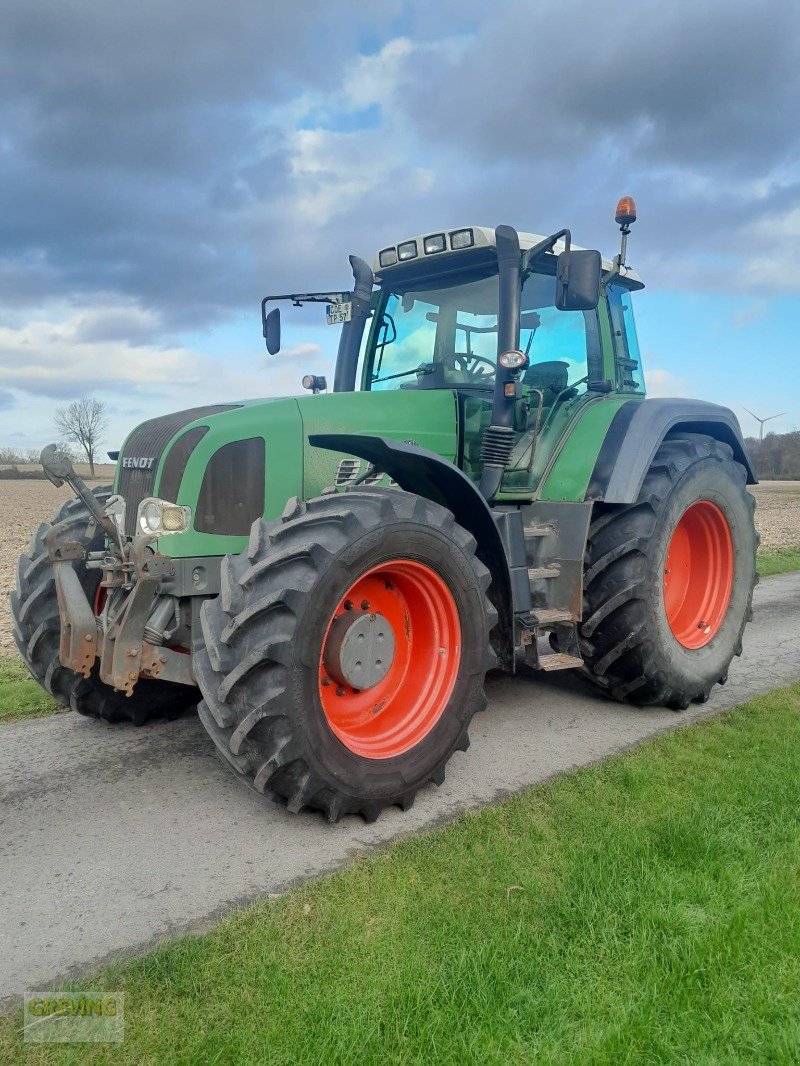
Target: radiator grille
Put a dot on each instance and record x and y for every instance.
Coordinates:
(148, 441)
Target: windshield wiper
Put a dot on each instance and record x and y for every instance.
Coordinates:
(423, 368)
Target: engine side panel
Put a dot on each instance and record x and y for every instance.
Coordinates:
(427, 419)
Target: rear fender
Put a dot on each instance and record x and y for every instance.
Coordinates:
(637, 430)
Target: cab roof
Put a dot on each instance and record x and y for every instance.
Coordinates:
(483, 237)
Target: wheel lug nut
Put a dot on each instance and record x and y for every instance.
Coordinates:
(348, 605)
(365, 605)
(340, 691)
(326, 681)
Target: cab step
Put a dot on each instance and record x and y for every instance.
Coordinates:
(543, 573)
(559, 661)
(543, 619)
(533, 532)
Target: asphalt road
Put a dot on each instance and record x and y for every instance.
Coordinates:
(113, 839)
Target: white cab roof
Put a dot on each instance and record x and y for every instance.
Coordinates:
(484, 238)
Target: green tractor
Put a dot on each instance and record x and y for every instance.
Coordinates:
(485, 486)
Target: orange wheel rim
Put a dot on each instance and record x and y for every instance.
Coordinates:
(100, 597)
(698, 574)
(418, 613)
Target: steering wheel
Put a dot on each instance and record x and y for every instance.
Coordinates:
(468, 364)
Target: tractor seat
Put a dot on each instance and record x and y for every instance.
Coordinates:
(551, 377)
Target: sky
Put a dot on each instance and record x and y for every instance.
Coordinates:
(164, 166)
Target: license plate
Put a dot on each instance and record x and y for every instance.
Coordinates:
(337, 313)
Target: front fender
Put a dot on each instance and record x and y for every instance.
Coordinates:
(426, 474)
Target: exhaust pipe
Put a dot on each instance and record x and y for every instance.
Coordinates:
(344, 379)
(498, 438)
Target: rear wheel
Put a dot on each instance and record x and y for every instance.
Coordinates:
(669, 579)
(37, 631)
(345, 656)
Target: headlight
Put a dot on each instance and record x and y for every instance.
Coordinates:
(159, 517)
(388, 257)
(513, 360)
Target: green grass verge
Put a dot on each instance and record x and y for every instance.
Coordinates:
(778, 561)
(642, 910)
(20, 696)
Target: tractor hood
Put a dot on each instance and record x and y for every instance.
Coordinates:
(232, 463)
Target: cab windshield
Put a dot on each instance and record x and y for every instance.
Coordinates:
(447, 338)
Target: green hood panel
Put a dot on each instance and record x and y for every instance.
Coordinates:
(293, 467)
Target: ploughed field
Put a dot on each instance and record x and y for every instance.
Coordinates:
(24, 504)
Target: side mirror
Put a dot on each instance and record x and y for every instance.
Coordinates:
(578, 280)
(272, 331)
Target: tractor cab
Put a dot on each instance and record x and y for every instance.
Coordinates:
(443, 311)
(437, 322)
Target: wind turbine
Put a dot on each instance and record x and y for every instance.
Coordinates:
(761, 421)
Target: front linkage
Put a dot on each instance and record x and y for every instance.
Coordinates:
(136, 605)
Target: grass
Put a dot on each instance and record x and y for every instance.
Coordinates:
(642, 910)
(20, 696)
(778, 561)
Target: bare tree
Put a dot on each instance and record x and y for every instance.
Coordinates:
(83, 422)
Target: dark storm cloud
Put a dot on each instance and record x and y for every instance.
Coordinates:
(707, 84)
(555, 109)
(144, 152)
(131, 136)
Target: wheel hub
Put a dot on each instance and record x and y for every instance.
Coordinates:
(360, 649)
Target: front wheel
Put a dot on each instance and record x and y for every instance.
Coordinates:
(345, 655)
(669, 579)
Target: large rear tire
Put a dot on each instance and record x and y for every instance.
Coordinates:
(37, 629)
(279, 660)
(669, 579)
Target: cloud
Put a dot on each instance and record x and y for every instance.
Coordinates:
(56, 359)
(133, 138)
(50, 361)
(664, 383)
(190, 162)
(772, 243)
(164, 166)
(674, 84)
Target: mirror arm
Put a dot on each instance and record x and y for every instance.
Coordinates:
(300, 298)
(546, 245)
